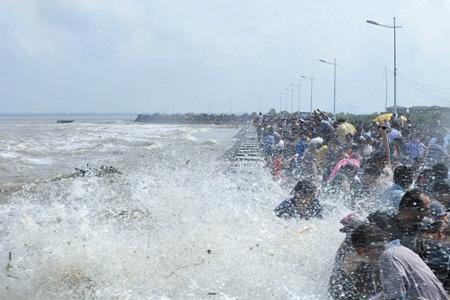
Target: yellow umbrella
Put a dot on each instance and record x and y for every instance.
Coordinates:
(345, 129)
(387, 117)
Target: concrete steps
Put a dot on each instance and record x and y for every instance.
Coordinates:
(247, 153)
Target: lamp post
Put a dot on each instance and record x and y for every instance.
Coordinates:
(394, 27)
(291, 90)
(260, 104)
(286, 100)
(298, 86)
(334, 79)
(311, 79)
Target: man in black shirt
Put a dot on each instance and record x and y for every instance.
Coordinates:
(302, 205)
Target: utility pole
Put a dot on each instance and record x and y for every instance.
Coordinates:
(281, 101)
(386, 92)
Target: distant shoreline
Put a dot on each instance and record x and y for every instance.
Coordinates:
(76, 117)
(191, 118)
(64, 114)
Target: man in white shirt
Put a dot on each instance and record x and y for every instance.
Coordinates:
(403, 273)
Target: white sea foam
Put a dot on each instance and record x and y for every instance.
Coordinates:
(9, 155)
(38, 161)
(173, 225)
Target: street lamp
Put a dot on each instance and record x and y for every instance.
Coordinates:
(394, 27)
(312, 79)
(260, 104)
(292, 98)
(286, 99)
(334, 89)
(298, 86)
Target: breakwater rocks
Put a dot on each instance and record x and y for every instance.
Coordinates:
(191, 118)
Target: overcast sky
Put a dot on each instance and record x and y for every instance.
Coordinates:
(217, 55)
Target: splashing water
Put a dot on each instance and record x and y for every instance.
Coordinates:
(174, 225)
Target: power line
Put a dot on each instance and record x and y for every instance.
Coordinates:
(431, 86)
(425, 88)
(375, 94)
(422, 91)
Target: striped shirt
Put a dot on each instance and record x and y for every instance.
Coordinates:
(404, 275)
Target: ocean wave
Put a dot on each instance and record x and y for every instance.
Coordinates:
(173, 225)
(38, 160)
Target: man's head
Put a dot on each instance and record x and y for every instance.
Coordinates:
(440, 172)
(438, 211)
(441, 192)
(379, 159)
(416, 138)
(371, 174)
(403, 176)
(424, 181)
(304, 191)
(383, 221)
(414, 206)
(368, 240)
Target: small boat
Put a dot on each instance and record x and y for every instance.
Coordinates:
(64, 121)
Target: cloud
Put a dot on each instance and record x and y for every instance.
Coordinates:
(426, 23)
(180, 53)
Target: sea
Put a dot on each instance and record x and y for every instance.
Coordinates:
(169, 220)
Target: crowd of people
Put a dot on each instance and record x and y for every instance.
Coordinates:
(393, 174)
